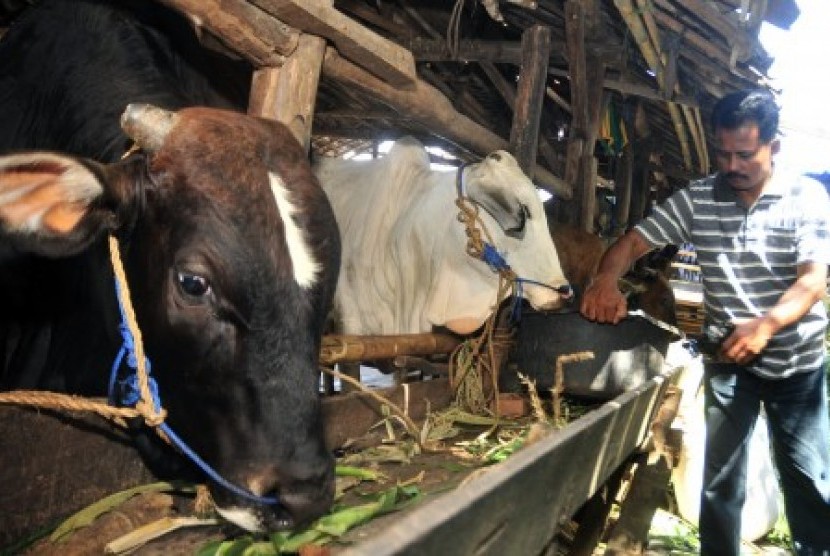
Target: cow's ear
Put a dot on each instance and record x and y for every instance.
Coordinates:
(47, 203)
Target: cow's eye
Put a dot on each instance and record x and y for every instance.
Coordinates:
(517, 231)
(193, 284)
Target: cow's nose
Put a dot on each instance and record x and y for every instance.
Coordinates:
(302, 496)
(549, 298)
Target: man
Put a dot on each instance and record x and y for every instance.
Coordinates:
(762, 237)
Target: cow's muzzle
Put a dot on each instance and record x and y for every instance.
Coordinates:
(543, 297)
(303, 495)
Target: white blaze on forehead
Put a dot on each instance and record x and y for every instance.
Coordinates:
(302, 260)
(242, 517)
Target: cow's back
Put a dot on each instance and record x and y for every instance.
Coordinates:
(371, 199)
(68, 69)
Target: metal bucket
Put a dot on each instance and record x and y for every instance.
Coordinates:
(626, 354)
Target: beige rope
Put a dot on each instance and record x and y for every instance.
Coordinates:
(145, 405)
(67, 402)
(411, 427)
(144, 408)
(478, 354)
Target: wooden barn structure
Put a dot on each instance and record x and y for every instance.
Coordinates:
(593, 97)
(585, 93)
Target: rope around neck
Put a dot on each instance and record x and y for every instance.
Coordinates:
(139, 391)
(478, 248)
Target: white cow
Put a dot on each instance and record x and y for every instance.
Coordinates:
(404, 267)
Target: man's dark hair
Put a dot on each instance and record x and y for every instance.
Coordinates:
(751, 106)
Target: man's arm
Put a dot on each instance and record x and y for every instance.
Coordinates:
(750, 337)
(603, 301)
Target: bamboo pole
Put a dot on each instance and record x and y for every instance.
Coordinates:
(640, 34)
(702, 130)
(670, 88)
(345, 349)
(697, 136)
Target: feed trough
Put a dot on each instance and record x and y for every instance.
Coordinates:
(625, 355)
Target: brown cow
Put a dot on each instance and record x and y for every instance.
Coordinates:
(646, 285)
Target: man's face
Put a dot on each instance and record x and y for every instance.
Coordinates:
(743, 160)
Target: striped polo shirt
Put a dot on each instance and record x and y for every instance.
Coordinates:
(748, 256)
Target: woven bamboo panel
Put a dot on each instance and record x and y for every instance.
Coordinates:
(689, 317)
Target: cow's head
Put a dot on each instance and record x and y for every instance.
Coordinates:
(515, 220)
(231, 255)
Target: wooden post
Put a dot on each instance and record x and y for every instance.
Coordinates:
(586, 74)
(524, 135)
(622, 191)
(640, 187)
(593, 515)
(287, 94)
(588, 191)
(647, 490)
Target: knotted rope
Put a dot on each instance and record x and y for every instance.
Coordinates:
(476, 358)
(482, 354)
(138, 390)
(144, 406)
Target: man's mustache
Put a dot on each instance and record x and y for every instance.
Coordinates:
(732, 175)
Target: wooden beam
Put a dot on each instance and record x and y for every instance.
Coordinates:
(524, 134)
(508, 93)
(288, 94)
(433, 110)
(731, 34)
(500, 52)
(561, 102)
(242, 27)
(634, 89)
(380, 56)
(587, 75)
(342, 348)
(361, 9)
(505, 88)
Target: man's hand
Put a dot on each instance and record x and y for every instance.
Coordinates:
(751, 336)
(747, 341)
(603, 301)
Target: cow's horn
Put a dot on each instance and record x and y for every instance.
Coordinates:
(147, 125)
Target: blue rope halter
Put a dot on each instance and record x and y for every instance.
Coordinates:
(497, 262)
(125, 392)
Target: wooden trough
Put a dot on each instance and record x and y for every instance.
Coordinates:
(54, 465)
(519, 506)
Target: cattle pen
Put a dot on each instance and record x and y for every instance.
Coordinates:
(57, 463)
(602, 104)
